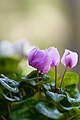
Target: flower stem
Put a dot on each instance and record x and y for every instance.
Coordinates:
(37, 75)
(63, 77)
(3, 117)
(37, 79)
(42, 77)
(55, 77)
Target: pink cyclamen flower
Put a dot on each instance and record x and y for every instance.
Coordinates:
(69, 58)
(54, 55)
(40, 60)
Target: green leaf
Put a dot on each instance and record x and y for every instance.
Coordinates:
(52, 84)
(15, 76)
(26, 89)
(74, 108)
(73, 100)
(51, 73)
(32, 81)
(9, 84)
(47, 86)
(72, 90)
(38, 96)
(11, 99)
(70, 78)
(77, 111)
(70, 82)
(46, 78)
(32, 74)
(22, 110)
(43, 81)
(73, 114)
(55, 97)
(25, 115)
(3, 107)
(47, 111)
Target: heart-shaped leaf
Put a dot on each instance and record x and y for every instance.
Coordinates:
(49, 112)
(70, 78)
(73, 100)
(55, 97)
(9, 84)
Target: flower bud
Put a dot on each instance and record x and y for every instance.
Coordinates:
(54, 55)
(69, 58)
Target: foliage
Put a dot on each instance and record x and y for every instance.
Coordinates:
(8, 65)
(25, 98)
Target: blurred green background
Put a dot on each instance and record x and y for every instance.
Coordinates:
(43, 23)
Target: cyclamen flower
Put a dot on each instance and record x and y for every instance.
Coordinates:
(40, 60)
(69, 58)
(54, 55)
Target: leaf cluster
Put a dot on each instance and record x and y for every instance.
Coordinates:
(25, 98)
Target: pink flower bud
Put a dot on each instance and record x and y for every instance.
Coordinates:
(69, 58)
(54, 55)
(40, 60)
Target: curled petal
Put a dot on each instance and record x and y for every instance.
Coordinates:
(32, 54)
